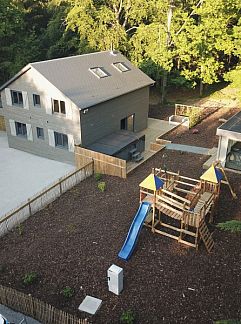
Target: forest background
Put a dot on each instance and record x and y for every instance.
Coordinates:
(181, 43)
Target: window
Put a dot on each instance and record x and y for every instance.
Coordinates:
(128, 123)
(59, 107)
(99, 72)
(21, 129)
(17, 98)
(61, 140)
(36, 100)
(121, 67)
(40, 132)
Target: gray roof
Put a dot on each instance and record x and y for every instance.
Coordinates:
(232, 125)
(72, 76)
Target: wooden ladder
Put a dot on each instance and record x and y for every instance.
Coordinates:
(206, 236)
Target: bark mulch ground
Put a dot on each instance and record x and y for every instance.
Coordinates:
(77, 238)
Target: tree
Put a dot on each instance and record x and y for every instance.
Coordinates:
(206, 43)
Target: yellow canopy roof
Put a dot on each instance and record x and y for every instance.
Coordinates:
(212, 175)
(152, 182)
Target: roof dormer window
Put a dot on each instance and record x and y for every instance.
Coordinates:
(121, 67)
(99, 72)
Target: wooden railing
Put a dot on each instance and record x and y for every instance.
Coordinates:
(36, 308)
(44, 198)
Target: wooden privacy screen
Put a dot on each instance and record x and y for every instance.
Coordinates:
(103, 163)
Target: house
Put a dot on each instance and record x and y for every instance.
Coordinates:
(98, 101)
(229, 146)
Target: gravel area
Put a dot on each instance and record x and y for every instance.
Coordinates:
(76, 239)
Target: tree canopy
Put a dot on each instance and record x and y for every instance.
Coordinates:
(191, 42)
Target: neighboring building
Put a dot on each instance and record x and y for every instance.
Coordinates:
(51, 106)
(229, 146)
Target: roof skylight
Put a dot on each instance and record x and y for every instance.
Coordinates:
(99, 72)
(121, 67)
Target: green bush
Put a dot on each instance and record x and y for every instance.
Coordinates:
(233, 226)
(67, 292)
(128, 317)
(193, 113)
(98, 176)
(101, 186)
(30, 278)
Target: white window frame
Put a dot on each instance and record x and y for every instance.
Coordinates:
(99, 72)
(34, 100)
(18, 93)
(121, 67)
(63, 137)
(39, 136)
(59, 112)
(23, 134)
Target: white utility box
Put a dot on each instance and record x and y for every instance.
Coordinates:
(115, 279)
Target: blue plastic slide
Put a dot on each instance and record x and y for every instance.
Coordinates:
(134, 231)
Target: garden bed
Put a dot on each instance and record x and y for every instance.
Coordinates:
(76, 239)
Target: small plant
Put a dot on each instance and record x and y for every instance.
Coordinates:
(101, 186)
(67, 292)
(128, 317)
(233, 226)
(30, 278)
(98, 176)
(20, 229)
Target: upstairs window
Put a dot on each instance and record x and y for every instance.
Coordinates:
(121, 67)
(21, 129)
(59, 107)
(61, 140)
(17, 98)
(99, 72)
(36, 100)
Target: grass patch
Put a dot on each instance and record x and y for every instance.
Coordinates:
(233, 226)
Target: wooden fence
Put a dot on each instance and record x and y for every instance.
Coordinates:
(45, 197)
(35, 308)
(103, 163)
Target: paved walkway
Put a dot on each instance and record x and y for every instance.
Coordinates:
(15, 317)
(188, 148)
(23, 175)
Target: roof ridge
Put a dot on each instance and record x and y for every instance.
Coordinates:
(70, 57)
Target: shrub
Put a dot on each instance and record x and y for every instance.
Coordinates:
(30, 278)
(67, 292)
(128, 317)
(98, 176)
(101, 186)
(233, 226)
